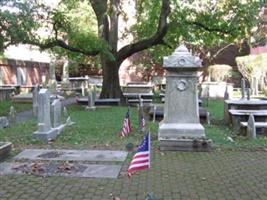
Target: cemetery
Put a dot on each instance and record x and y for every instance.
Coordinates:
(173, 108)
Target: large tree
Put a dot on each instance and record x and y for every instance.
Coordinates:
(90, 28)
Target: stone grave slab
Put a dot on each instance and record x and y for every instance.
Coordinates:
(72, 155)
(61, 169)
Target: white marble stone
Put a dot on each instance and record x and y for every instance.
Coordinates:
(251, 128)
(56, 110)
(181, 112)
(45, 131)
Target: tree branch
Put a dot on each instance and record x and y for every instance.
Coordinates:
(157, 38)
(206, 28)
(62, 44)
(221, 50)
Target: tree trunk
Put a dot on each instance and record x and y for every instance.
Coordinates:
(111, 82)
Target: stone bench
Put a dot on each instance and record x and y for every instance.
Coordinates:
(257, 124)
(252, 128)
(99, 102)
(238, 116)
(242, 104)
(203, 114)
(107, 102)
(136, 101)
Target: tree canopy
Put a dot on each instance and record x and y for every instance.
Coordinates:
(81, 29)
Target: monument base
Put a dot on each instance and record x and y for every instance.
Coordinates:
(188, 144)
(92, 108)
(183, 137)
(181, 130)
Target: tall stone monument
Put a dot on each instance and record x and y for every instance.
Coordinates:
(46, 112)
(45, 131)
(180, 129)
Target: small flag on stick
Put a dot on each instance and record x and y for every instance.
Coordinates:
(141, 160)
(126, 127)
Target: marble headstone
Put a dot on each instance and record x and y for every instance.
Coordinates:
(181, 129)
(45, 131)
(56, 108)
(12, 115)
(251, 129)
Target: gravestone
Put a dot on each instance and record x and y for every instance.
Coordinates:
(91, 102)
(251, 128)
(254, 86)
(83, 89)
(4, 123)
(181, 129)
(12, 115)
(45, 131)
(35, 100)
(248, 93)
(243, 88)
(56, 110)
(65, 84)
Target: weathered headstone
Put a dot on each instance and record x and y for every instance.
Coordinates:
(248, 93)
(56, 110)
(65, 84)
(243, 88)
(45, 131)
(91, 102)
(83, 89)
(12, 115)
(254, 86)
(251, 128)
(181, 128)
(4, 123)
(52, 77)
(35, 100)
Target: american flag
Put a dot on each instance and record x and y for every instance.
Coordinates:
(141, 160)
(126, 128)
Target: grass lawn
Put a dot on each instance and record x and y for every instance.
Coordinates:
(95, 129)
(5, 107)
(101, 129)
